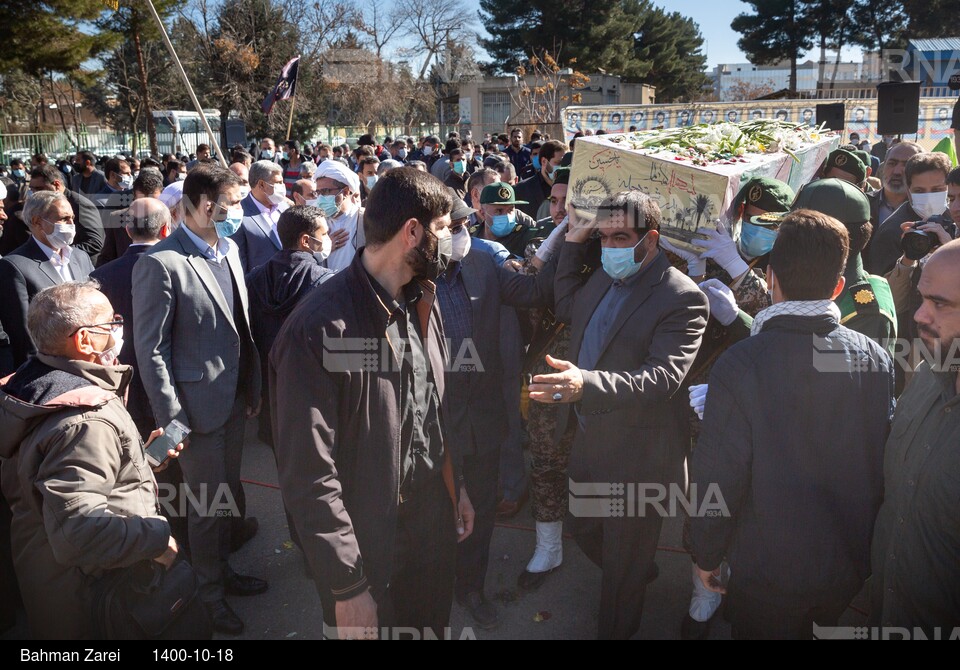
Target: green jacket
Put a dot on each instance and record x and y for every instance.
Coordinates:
(866, 306)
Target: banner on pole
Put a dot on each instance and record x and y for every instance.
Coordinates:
(286, 86)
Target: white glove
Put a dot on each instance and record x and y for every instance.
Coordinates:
(722, 249)
(696, 266)
(698, 399)
(723, 304)
(549, 246)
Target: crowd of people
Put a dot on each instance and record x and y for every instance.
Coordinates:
(405, 318)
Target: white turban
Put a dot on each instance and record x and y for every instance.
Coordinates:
(172, 194)
(3, 191)
(338, 171)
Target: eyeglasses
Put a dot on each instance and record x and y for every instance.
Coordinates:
(330, 191)
(112, 326)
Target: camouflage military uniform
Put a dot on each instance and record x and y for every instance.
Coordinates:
(548, 455)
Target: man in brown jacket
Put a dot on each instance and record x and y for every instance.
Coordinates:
(356, 386)
(83, 497)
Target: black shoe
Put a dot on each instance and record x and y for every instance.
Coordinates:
(243, 585)
(224, 619)
(482, 610)
(691, 629)
(242, 532)
(531, 581)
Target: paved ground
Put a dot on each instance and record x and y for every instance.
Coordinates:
(564, 608)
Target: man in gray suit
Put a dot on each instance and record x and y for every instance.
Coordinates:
(636, 328)
(199, 365)
(46, 259)
(258, 240)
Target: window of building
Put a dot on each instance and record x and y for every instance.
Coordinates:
(495, 108)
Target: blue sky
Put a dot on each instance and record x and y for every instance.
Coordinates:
(714, 17)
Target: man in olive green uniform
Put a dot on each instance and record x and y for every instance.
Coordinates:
(846, 165)
(499, 202)
(866, 304)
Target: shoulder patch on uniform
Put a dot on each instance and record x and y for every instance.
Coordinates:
(864, 297)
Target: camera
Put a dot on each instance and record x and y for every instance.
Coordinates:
(917, 244)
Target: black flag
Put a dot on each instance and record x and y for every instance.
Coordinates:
(286, 85)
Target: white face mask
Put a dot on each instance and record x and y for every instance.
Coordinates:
(181, 176)
(461, 245)
(427, 150)
(279, 194)
(62, 236)
(928, 205)
(126, 182)
(326, 247)
(110, 356)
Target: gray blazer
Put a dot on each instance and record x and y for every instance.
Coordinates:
(256, 240)
(633, 416)
(24, 273)
(188, 345)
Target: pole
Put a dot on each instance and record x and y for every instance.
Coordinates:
(293, 103)
(186, 82)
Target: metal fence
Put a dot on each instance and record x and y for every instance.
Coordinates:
(60, 144)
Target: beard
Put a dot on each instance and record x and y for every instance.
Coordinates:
(419, 258)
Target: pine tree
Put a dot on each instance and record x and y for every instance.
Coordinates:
(776, 31)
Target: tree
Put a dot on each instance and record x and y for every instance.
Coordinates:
(629, 38)
(776, 31)
(51, 36)
(879, 24)
(671, 44)
(545, 89)
(745, 90)
(829, 21)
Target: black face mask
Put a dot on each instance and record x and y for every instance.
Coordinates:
(433, 256)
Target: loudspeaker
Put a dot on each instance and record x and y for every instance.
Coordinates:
(832, 115)
(898, 108)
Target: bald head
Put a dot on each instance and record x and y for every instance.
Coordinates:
(145, 220)
(938, 319)
(305, 189)
(241, 171)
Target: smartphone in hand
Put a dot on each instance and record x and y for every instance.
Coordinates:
(173, 434)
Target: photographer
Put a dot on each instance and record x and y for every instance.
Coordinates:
(918, 240)
(927, 185)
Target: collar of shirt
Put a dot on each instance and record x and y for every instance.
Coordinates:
(452, 273)
(269, 211)
(411, 293)
(57, 259)
(217, 253)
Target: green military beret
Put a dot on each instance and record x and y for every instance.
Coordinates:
(767, 194)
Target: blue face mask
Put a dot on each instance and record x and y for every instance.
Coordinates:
(328, 203)
(756, 241)
(536, 162)
(286, 156)
(503, 224)
(619, 264)
(460, 167)
(19, 174)
(231, 224)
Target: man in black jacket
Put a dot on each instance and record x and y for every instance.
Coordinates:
(792, 448)
(356, 386)
(277, 286)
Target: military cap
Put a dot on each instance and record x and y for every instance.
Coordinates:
(848, 162)
(767, 194)
(837, 198)
(500, 193)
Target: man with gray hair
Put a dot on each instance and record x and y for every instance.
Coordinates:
(145, 222)
(46, 259)
(83, 498)
(257, 239)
